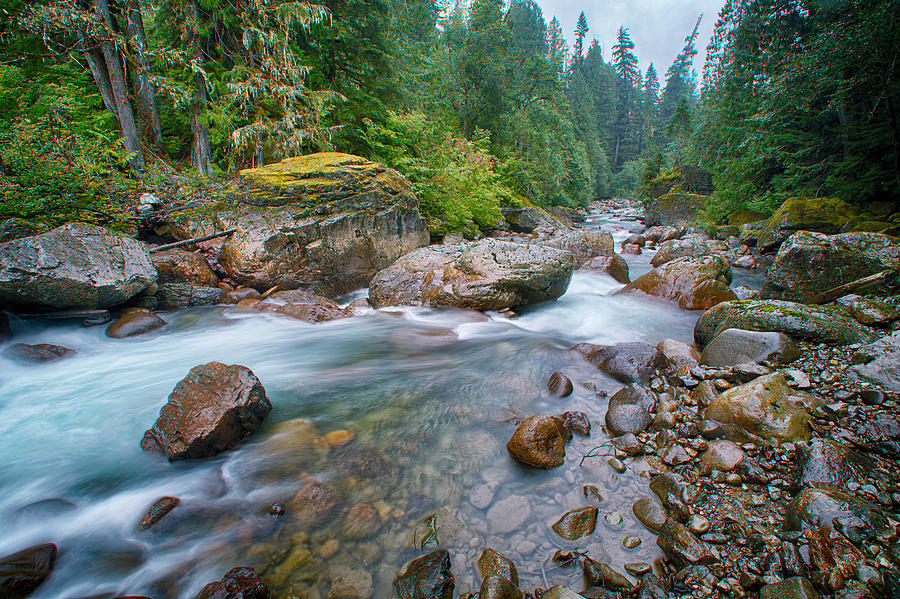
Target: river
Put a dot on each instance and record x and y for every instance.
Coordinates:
(431, 397)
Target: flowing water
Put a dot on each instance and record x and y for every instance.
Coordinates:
(431, 396)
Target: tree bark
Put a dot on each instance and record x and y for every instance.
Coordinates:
(201, 150)
(97, 65)
(144, 91)
(116, 70)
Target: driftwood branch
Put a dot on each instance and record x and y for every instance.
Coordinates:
(169, 246)
(848, 288)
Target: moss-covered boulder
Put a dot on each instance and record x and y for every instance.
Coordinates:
(810, 263)
(529, 218)
(327, 222)
(823, 215)
(674, 209)
(694, 283)
(745, 217)
(818, 324)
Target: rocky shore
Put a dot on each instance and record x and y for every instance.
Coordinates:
(770, 446)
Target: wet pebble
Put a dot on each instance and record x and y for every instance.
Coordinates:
(631, 542)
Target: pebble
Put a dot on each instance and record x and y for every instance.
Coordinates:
(637, 568)
(614, 518)
(482, 495)
(698, 524)
(509, 514)
(616, 464)
(631, 542)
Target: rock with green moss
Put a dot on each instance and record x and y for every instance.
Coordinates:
(485, 275)
(679, 209)
(74, 266)
(818, 324)
(327, 222)
(823, 215)
(809, 263)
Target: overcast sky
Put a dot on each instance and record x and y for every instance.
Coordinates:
(657, 27)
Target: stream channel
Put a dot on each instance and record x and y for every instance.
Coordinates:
(431, 396)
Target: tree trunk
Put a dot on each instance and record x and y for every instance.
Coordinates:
(116, 71)
(201, 150)
(97, 65)
(144, 91)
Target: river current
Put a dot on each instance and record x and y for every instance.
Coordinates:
(430, 397)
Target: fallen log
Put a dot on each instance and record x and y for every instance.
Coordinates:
(848, 288)
(169, 246)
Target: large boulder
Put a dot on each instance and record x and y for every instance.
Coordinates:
(628, 362)
(185, 280)
(693, 283)
(679, 248)
(529, 218)
(810, 263)
(327, 222)
(680, 209)
(614, 265)
(879, 363)
(735, 346)
(584, 244)
(426, 577)
(213, 409)
(483, 275)
(74, 266)
(817, 324)
(763, 409)
(824, 215)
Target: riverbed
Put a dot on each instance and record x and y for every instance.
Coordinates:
(429, 399)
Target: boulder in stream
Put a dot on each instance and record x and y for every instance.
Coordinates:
(185, 280)
(693, 283)
(41, 352)
(613, 265)
(629, 410)
(539, 441)
(584, 244)
(134, 321)
(737, 346)
(213, 409)
(483, 275)
(628, 362)
(576, 523)
(238, 583)
(426, 577)
(74, 266)
(21, 573)
(823, 215)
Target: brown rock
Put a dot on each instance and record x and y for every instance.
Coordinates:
(576, 523)
(238, 583)
(602, 575)
(613, 265)
(134, 321)
(180, 266)
(42, 352)
(339, 437)
(362, 522)
(539, 441)
(314, 504)
(577, 422)
(560, 385)
(314, 313)
(157, 511)
(21, 573)
(236, 295)
(494, 563)
(693, 283)
(213, 409)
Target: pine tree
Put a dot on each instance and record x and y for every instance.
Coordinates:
(680, 82)
(557, 48)
(581, 29)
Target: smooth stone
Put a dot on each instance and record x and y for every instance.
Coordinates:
(602, 575)
(426, 577)
(613, 518)
(315, 503)
(495, 587)
(683, 548)
(637, 568)
(736, 346)
(134, 321)
(483, 495)
(651, 513)
(42, 352)
(723, 455)
(616, 464)
(631, 542)
(363, 521)
(560, 385)
(155, 513)
(827, 461)
(698, 524)
(22, 572)
(508, 514)
(627, 362)
(355, 584)
(494, 563)
(576, 523)
(538, 441)
(238, 582)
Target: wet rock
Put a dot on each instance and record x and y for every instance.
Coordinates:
(693, 283)
(723, 455)
(816, 324)
(629, 443)
(315, 503)
(683, 549)
(539, 441)
(614, 265)
(873, 311)
(602, 575)
(157, 511)
(629, 410)
(789, 588)
(494, 587)
(427, 577)
(179, 296)
(627, 362)
(529, 218)
(134, 321)
(21, 573)
(698, 524)
(339, 438)
(583, 244)
(362, 522)
(765, 408)
(483, 275)
(213, 409)
(679, 248)
(509, 514)
(355, 584)
(322, 310)
(827, 461)
(809, 263)
(560, 385)
(560, 592)
(483, 495)
(576, 523)
(42, 352)
(238, 583)
(879, 363)
(815, 507)
(736, 346)
(236, 296)
(493, 563)
(650, 513)
(680, 356)
(674, 492)
(577, 422)
(833, 555)
(185, 280)
(74, 266)
(823, 215)
(653, 587)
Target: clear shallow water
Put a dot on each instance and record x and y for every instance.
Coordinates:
(431, 396)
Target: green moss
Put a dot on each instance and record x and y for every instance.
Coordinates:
(745, 217)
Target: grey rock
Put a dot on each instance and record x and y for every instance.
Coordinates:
(613, 265)
(855, 518)
(629, 410)
(723, 455)
(679, 248)
(873, 311)
(627, 362)
(508, 514)
(583, 244)
(827, 461)
(683, 549)
(879, 363)
(736, 346)
(529, 218)
(74, 266)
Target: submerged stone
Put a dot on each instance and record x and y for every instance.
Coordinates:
(577, 523)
